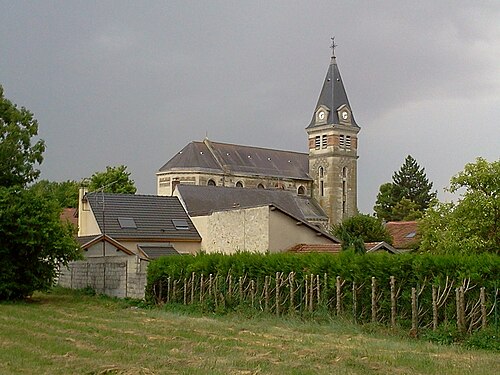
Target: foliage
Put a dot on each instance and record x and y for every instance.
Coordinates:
(113, 180)
(407, 197)
(65, 193)
(366, 227)
(17, 153)
(472, 225)
(33, 243)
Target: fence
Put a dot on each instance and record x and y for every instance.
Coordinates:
(468, 306)
(116, 277)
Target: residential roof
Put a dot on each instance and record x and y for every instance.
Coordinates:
(88, 241)
(337, 248)
(69, 215)
(404, 233)
(141, 217)
(234, 159)
(333, 95)
(203, 200)
(156, 251)
(333, 248)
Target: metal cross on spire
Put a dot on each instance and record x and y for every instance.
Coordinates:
(333, 46)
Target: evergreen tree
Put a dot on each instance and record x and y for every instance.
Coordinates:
(408, 196)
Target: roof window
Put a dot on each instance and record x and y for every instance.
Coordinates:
(411, 235)
(180, 224)
(127, 223)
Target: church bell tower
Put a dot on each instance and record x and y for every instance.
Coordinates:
(333, 148)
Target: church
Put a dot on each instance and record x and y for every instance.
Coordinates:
(326, 175)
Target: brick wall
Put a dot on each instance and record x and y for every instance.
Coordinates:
(116, 277)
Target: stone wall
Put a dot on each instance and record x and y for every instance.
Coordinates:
(116, 277)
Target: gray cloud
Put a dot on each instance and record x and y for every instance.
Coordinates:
(132, 84)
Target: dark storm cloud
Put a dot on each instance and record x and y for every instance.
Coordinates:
(131, 84)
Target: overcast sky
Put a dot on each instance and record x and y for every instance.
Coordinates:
(115, 82)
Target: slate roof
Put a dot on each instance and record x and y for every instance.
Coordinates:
(332, 96)
(156, 251)
(203, 200)
(233, 159)
(152, 216)
(404, 233)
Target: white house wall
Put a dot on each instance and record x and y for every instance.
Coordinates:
(285, 233)
(234, 230)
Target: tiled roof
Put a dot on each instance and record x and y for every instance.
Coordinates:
(141, 217)
(70, 215)
(203, 200)
(233, 159)
(333, 248)
(404, 233)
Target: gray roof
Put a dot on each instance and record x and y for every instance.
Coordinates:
(142, 217)
(332, 96)
(154, 252)
(203, 200)
(233, 159)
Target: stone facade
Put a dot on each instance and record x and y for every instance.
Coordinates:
(167, 181)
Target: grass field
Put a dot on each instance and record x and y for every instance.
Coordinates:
(67, 332)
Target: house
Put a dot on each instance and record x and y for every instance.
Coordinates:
(231, 219)
(146, 226)
(370, 247)
(327, 173)
(405, 236)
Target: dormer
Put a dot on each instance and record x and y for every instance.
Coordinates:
(321, 115)
(345, 115)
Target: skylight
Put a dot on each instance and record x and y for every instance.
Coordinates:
(127, 223)
(180, 224)
(411, 235)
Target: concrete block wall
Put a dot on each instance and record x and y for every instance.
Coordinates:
(116, 277)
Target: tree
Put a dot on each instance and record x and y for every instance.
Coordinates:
(472, 225)
(358, 229)
(17, 153)
(408, 196)
(65, 193)
(33, 240)
(113, 180)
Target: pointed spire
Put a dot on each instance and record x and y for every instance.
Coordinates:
(333, 94)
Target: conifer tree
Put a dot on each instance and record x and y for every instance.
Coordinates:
(408, 196)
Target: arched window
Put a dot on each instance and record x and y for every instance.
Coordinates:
(321, 182)
(301, 190)
(344, 190)
(344, 172)
(239, 184)
(211, 182)
(260, 186)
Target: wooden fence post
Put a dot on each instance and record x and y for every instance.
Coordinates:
(202, 287)
(393, 302)
(311, 293)
(374, 300)
(414, 311)
(240, 287)
(266, 294)
(318, 290)
(192, 287)
(169, 282)
(482, 296)
(278, 284)
(354, 302)
(434, 308)
(185, 291)
(292, 292)
(210, 280)
(252, 292)
(230, 286)
(339, 295)
(306, 288)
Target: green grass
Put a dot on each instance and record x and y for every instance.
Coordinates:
(67, 332)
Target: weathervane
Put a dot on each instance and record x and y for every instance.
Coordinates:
(333, 46)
